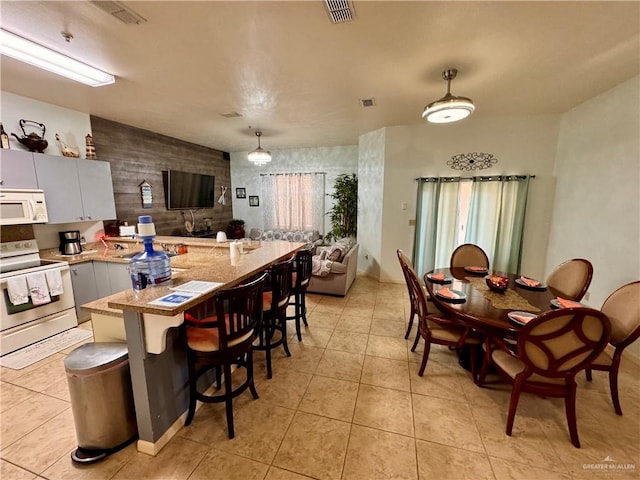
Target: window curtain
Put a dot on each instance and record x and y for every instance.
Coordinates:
(496, 219)
(295, 201)
(436, 223)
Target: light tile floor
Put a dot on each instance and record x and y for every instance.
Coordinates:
(348, 404)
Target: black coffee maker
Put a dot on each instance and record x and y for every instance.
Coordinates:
(70, 242)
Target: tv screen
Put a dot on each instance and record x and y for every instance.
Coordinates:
(188, 190)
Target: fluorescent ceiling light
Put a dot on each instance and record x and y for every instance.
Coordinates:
(26, 51)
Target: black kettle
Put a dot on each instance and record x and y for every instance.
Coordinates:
(33, 141)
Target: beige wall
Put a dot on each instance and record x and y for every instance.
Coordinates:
(596, 212)
(370, 201)
(522, 145)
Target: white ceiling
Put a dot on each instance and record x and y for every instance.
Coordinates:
(298, 78)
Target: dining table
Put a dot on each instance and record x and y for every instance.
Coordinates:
(485, 311)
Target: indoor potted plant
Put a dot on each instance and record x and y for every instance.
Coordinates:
(235, 229)
(344, 213)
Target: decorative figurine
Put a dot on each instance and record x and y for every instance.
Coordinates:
(66, 150)
(91, 148)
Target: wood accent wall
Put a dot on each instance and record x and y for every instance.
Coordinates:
(136, 155)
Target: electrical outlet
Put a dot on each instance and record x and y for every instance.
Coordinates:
(412, 223)
(586, 296)
(403, 206)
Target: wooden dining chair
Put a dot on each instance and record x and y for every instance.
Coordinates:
(623, 309)
(552, 348)
(219, 334)
(468, 255)
(300, 278)
(571, 279)
(273, 331)
(405, 264)
(433, 328)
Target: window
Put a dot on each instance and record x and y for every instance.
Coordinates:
(294, 201)
(486, 211)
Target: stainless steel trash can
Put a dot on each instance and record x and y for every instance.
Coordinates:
(101, 399)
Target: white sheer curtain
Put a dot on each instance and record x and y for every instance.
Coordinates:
(436, 223)
(294, 201)
(496, 219)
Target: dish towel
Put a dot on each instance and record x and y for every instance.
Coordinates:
(54, 281)
(18, 290)
(38, 288)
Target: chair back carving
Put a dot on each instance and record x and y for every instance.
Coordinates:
(623, 309)
(302, 267)
(571, 279)
(234, 314)
(468, 255)
(562, 342)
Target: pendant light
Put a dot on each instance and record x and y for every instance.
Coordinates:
(449, 108)
(259, 156)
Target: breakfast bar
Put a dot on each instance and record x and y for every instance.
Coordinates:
(156, 347)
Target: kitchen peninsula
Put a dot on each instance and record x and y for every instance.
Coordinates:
(156, 348)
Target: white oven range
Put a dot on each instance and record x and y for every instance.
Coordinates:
(22, 325)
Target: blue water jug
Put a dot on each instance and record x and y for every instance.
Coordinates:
(149, 268)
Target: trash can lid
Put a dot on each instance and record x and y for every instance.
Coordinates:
(94, 357)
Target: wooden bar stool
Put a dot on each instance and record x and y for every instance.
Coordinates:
(274, 306)
(220, 333)
(300, 278)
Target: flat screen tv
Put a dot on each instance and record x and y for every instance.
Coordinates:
(188, 190)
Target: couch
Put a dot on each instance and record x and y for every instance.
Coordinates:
(341, 272)
(288, 235)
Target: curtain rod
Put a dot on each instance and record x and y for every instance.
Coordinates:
(481, 178)
(293, 173)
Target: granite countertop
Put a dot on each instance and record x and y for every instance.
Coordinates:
(215, 265)
(206, 260)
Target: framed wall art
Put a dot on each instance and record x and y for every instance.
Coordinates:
(254, 201)
(241, 193)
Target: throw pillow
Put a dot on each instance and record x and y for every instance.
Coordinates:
(267, 235)
(277, 235)
(335, 253)
(297, 237)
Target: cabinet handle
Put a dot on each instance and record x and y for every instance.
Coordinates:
(81, 218)
(1, 182)
(89, 217)
(75, 271)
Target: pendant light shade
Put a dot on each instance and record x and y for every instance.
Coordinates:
(449, 108)
(259, 156)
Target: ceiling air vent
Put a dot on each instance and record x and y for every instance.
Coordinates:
(367, 102)
(231, 115)
(339, 11)
(120, 11)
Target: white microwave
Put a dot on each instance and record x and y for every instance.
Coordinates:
(20, 206)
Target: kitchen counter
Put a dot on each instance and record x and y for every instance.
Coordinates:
(157, 355)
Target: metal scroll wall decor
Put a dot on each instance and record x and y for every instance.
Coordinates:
(472, 161)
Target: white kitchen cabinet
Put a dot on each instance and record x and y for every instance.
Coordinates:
(119, 277)
(111, 277)
(97, 190)
(75, 189)
(101, 270)
(17, 169)
(84, 287)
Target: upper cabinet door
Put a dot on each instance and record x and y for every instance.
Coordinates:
(97, 190)
(58, 177)
(17, 169)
